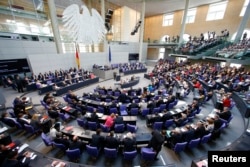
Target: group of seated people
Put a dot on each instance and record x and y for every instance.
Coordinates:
(235, 51)
(211, 124)
(9, 155)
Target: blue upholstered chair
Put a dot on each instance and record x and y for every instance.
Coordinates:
(194, 143)
(92, 151)
(129, 155)
(147, 154)
(180, 147)
(110, 153)
(73, 155)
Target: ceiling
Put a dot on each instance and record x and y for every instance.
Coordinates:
(156, 7)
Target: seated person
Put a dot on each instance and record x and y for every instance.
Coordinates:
(129, 142)
(110, 121)
(209, 125)
(97, 140)
(76, 143)
(150, 119)
(225, 114)
(53, 113)
(188, 134)
(94, 117)
(54, 129)
(180, 120)
(200, 130)
(15, 160)
(166, 116)
(62, 139)
(111, 141)
(175, 137)
(8, 120)
(118, 119)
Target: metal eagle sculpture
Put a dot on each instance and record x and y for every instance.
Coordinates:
(84, 26)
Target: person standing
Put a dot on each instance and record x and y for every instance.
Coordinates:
(19, 84)
(156, 141)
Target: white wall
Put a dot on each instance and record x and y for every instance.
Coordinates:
(129, 18)
(51, 62)
(42, 56)
(12, 49)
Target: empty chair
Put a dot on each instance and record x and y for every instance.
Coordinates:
(123, 110)
(31, 129)
(82, 123)
(169, 123)
(170, 106)
(92, 125)
(145, 112)
(73, 155)
(131, 128)
(47, 141)
(11, 112)
(147, 154)
(156, 110)
(205, 138)
(175, 102)
(60, 146)
(194, 143)
(157, 125)
(110, 152)
(180, 147)
(130, 155)
(198, 111)
(113, 110)
(134, 111)
(190, 118)
(65, 99)
(92, 151)
(119, 128)
(100, 109)
(116, 94)
(64, 117)
(90, 109)
(162, 107)
(104, 128)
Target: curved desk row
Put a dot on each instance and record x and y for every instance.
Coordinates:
(129, 72)
(242, 104)
(76, 86)
(130, 83)
(86, 135)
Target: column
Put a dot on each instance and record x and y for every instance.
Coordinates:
(242, 25)
(53, 17)
(142, 30)
(103, 9)
(183, 25)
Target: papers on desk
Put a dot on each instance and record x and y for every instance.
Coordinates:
(3, 129)
(178, 110)
(67, 108)
(99, 114)
(69, 128)
(25, 145)
(172, 112)
(160, 114)
(211, 115)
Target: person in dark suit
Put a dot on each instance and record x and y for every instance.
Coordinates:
(217, 122)
(151, 106)
(15, 160)
(111, 141)
(225, 114)
(118, 119)
(188, 134)
(98, 140)
(129, 142)
(156, 141)
(179, 121)
(134, 105)
(60, 139)
(166, 116)
(19, 84)
(175, 137)
(200, 130)
(122, 98)
(94, 117)
(76, 143)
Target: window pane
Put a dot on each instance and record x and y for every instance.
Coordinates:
(216, 11)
